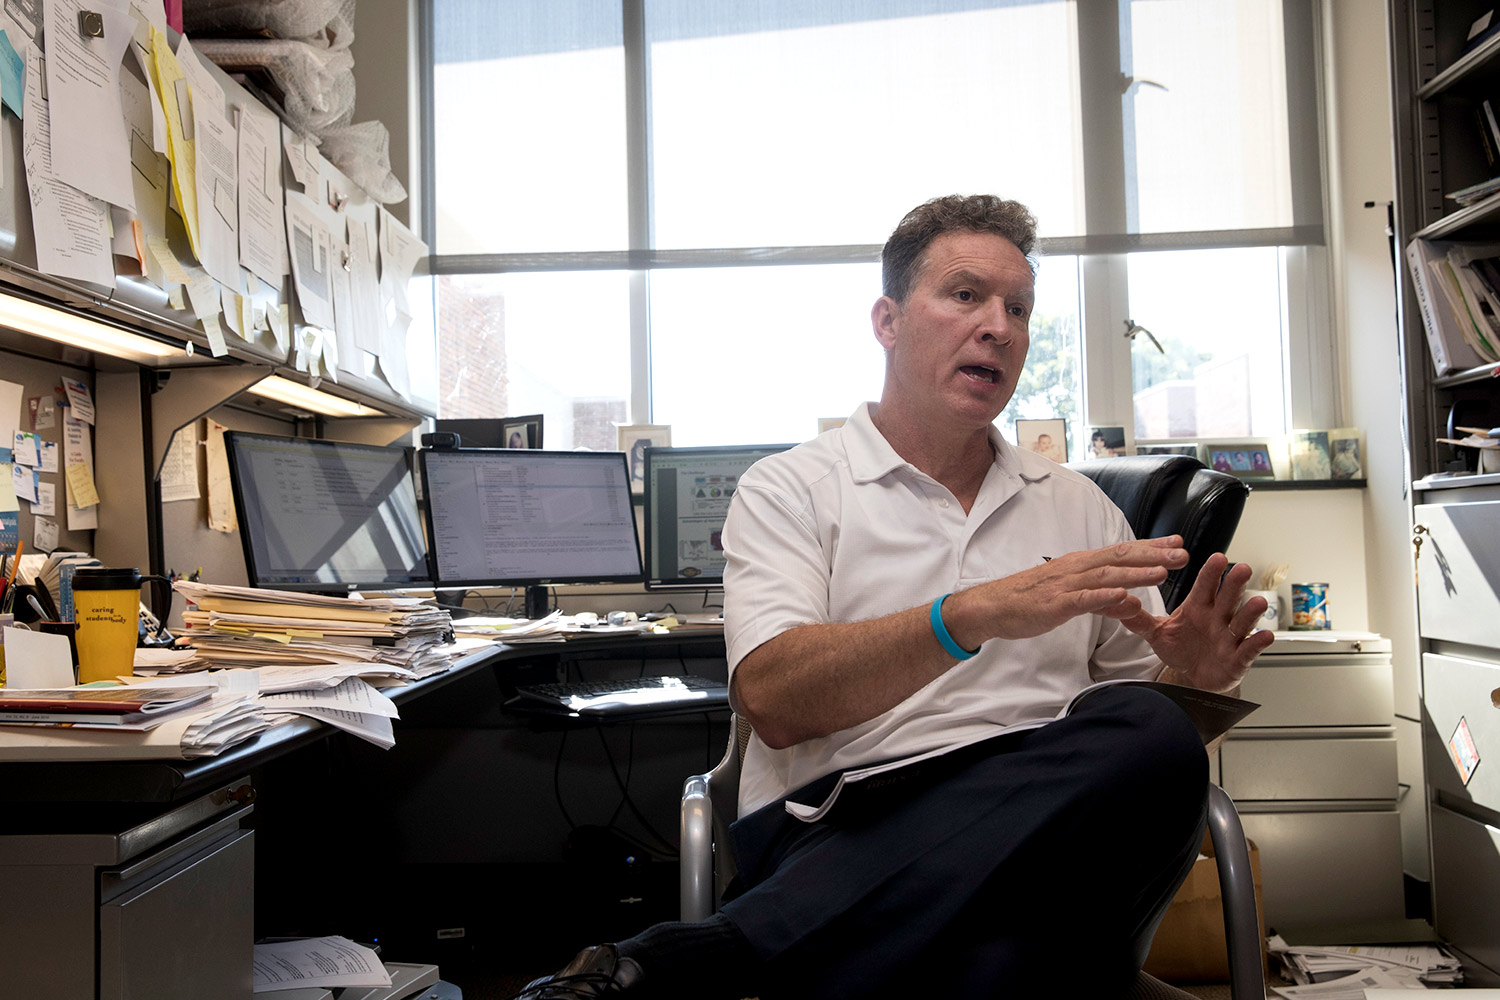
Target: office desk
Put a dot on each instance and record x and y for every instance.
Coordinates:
(105, 866)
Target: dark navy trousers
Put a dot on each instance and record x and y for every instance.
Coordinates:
(1025, 859)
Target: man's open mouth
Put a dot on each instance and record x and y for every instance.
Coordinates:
(980, 373)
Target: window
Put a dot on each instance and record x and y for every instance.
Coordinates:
(670, 211)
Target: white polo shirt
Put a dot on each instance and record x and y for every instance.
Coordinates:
(842, 529)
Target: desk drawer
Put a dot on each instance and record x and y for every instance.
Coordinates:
(1326, 870)
(1458, 571)
(1336, 690)
(1465, 884)
(185, 932)
(1456, 688)
(1329, 767)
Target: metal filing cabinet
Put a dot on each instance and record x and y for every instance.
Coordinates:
(1313, 774)
(1458, 607)
(136, 901)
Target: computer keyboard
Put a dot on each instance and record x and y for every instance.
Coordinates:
(628, 696)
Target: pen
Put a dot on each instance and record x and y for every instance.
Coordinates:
(10, 583)
(36, 606)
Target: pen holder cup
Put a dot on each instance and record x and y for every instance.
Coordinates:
(107, 609)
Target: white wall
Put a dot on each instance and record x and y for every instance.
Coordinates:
(1320, 535)
(385, 88)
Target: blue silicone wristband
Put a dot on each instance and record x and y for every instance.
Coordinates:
(941, 631)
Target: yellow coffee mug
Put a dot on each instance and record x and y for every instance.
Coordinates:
(107, 610)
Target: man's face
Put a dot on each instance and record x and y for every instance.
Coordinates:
(955, 349)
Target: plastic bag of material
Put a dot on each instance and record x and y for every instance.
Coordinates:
(363, 152)
(316, 82)
(273, 18)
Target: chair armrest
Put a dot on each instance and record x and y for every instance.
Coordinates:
(696, 851)
(1237, 886)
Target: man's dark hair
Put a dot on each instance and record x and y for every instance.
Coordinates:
(905, 252)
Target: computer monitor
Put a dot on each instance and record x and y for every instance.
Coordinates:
(326, 516)
(515, 518)
(687, 496)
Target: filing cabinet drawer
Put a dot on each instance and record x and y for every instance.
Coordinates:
(1457, 688)
(1458, 566)
(1466, 884)
(187, 931)
(1333, 690)
(1326, 870)
(1309, 768)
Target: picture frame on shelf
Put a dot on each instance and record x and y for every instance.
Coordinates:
(1346, 454)
(1106, 442)
(1048, 438)
(1247, 459)
(633, 440)
(1310, 455)
(522, 432)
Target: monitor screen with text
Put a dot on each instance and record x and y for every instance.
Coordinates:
(507, 517)
(326, 516)
(687, 497)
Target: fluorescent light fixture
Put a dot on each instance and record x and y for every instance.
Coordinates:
(284, 390)
(79, 331)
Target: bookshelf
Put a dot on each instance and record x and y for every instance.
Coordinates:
(1437, 85)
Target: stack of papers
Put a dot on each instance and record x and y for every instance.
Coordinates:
(556, 627)
(1410, 965)
(241, 626)
(118, 708)
(204, 731)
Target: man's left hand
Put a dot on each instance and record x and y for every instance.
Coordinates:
(1210, 641)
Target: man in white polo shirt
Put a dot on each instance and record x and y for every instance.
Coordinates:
(910, 582)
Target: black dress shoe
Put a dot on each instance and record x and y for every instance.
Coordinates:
(596, 971)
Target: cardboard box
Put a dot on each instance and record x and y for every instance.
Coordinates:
(1189, 946)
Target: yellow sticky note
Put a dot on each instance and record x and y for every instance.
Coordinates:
(167, 73)
(302, 633)
(274, 637)
(170, 265)
(81, 485)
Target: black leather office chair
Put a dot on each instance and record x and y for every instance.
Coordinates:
(1159, 495)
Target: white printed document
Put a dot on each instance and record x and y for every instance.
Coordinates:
(326, 961)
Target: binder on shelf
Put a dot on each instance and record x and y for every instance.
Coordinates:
(1445, 336)
(1467, 261)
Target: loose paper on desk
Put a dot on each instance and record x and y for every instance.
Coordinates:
(90, 142)
(37, 659)
(262, 228)
(326, 961)
(71, 227)
(220, 495)
(179, 471)
(1350, 987)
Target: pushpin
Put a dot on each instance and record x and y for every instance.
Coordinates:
(90, 24)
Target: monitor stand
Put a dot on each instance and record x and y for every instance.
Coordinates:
(538, 602)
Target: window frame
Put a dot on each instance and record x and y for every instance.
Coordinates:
(1309, 348)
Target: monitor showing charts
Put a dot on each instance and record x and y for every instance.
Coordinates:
(326, 516)
(687, 496)
(505, 517)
